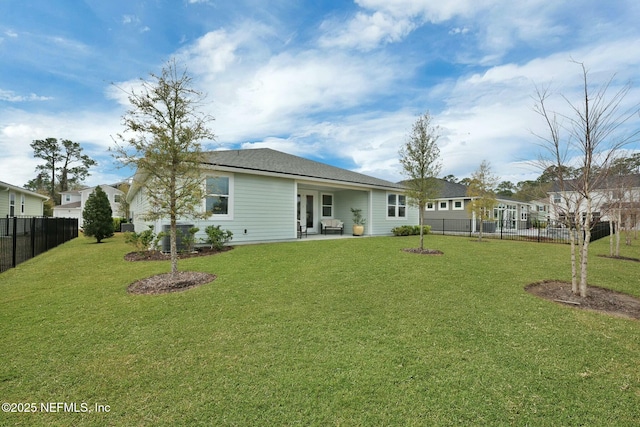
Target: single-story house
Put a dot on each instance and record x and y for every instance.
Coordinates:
(73, 202)
(266, 195)
(450, 211)
(17, 201)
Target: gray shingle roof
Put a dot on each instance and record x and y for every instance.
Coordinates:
(268, 160)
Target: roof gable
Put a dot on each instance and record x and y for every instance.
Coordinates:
(22, 190)
(268, 160)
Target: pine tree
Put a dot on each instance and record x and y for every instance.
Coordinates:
(97, 215)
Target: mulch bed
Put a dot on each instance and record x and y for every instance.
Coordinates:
(161, 256)
(598, 299)
(176, 282)
(170, 282)
(423, 251)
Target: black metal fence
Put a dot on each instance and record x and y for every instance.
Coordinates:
(548, 232)
(23, 238)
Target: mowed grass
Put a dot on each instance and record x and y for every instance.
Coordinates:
(344, 332)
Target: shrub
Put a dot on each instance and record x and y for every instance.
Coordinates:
(410, 230)
(189, 240)
(98, 221)
(117, 222)
(216, 237)
(144, 241)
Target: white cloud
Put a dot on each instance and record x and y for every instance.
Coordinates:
(365, 31)
(10, 96)
(130, 19)
(19, 128)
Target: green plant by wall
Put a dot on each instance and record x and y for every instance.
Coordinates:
(410, 230)
(216, 237)
(146, 240)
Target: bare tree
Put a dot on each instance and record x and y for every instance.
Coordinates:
(587, 137)
(420, 162)
(480, 190)
(165, 148)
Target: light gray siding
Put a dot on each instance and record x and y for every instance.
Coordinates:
(264, 209)
(33, 205)
(382, 224)
(347, 199)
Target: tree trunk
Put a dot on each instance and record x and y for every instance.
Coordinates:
(174, 246)
(611, 237)
(617, 233)
(584, 259)
(574, 269)
(421, 221)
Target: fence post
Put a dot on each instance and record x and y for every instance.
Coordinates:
(33, 237)
(14, 243)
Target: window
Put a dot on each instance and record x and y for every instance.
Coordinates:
(396, 206)
(116, 198)
(67, 197)
(458, 205)
(523, 216)
(443, 206)
(327, 205)
(430, 206)
(557, 199)
(218, 195)
(12, 204)
(22, 204)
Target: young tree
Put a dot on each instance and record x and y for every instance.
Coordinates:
(97, 216)
(64, 160)
(588, 136)
(167, 127)
(419, 158)
(480, 190)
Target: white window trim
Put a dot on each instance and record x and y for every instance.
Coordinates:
(461, 208)
(22, 203)
(322, 205)
(446, 205)
(432, 208)
(222, 217)
(12, 204)
(397, 205)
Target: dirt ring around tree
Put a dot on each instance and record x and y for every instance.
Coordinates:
(598, 299)
(168, 282)
(423, 251)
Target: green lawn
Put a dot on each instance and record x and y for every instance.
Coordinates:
(341, 332)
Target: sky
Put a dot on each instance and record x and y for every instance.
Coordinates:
(340, 82)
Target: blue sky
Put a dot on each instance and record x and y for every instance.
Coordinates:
(336, 81)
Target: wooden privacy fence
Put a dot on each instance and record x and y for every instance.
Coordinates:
(23, 238)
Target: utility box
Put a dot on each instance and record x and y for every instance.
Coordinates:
(126, 227)
(182, 230)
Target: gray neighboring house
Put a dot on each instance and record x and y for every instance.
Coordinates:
(17, 201)
(262, 194)
(449, 212)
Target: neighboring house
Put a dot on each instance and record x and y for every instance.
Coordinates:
(540, 211)
(450, 211)
(16, 201)
(261, 194)
(73, 202)
(610, 195)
